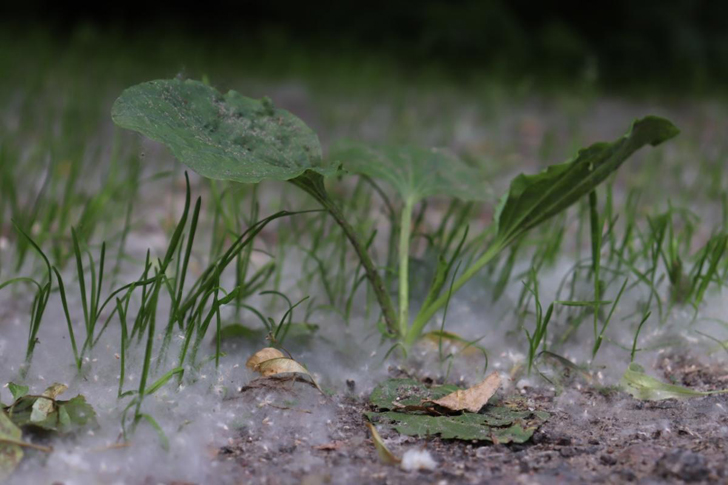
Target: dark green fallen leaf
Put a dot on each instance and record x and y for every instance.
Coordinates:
(498, 424)
(394, 393)
(508, 422)
(10, 453)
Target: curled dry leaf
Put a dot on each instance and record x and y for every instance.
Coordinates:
(45, 404)
(261, 356)
(270, 362)
(387, 457)
(471, 399)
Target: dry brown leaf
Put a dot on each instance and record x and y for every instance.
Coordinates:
(45, 405)
(261, 356)
(280, 365)
(270, 362)
(471, 399)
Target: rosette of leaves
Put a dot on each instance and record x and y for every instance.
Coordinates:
(231, 137)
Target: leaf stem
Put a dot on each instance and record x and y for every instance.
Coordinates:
(405, 228)
(426, 313)
(312, 183)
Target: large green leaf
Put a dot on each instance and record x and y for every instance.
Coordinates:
(532, 199)
(221, 136)
(399, 402)
(414, 172)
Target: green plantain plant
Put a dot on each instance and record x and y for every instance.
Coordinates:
(235, 138)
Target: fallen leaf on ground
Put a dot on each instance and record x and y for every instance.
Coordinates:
(46, 403)
(10, 453)
(647, 388)
(261, 356)
(51, 414)
(471, 399)
(385, 455)
(397, 403)
(270, 362)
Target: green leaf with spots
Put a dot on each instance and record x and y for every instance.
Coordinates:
(395, 393)
(398, 402)
(414, 172)
(221, 136)
(10, 452)
(532, 199)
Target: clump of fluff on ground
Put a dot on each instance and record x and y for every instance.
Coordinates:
(417, 459)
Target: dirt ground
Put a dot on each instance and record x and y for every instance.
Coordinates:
(594, 435)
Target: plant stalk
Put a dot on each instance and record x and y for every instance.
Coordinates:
(405, 228)
(314, 186)
(426, 313)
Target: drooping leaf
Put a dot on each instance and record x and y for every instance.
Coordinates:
(17, 390)
(221, 136)
(160, 432)
(532, 199)
(471, 399)
(647, 388)
(10, 453)
(386, 456)
(414, 172)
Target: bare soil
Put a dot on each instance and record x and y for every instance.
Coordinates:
(594, 435)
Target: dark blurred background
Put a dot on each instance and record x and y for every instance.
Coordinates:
(672, 44)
